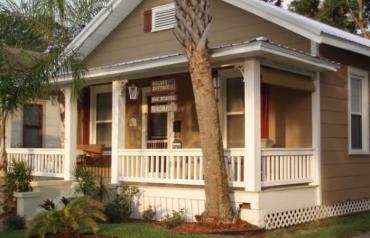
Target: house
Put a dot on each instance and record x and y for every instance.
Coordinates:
(293, 98)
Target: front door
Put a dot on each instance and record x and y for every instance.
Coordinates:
(157, 133)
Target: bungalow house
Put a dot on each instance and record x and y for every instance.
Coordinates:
(293, 98)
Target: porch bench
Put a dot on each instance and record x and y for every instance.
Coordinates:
(91, 153)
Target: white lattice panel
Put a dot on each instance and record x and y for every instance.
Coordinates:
(304, 215)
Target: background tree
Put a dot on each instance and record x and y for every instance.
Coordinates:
(276, 2)
(349, 15)
(193, 25)
(308, 8)
(58, 22)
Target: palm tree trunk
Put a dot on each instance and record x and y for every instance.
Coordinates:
(3, 159)
(216, 181)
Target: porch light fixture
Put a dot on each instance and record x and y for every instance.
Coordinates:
(133, 92)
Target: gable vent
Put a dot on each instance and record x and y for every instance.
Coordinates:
(163, 17)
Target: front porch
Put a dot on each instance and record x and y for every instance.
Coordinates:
(158, 143)
(144, 114)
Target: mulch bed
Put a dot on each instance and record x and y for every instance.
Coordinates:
(78, 236)
(240, 227)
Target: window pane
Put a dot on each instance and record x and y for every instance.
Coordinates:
(235, 95)
(235, 131)
(157, 126)
(104, 107)
(32, 115)
(31, 138)
(356, 130)
(356, 95)
(104, 134)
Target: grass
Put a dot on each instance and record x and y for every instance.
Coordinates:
(343, 227)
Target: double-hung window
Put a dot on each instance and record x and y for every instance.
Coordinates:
(102, 115)
(358, 111)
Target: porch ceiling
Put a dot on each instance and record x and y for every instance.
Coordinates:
(259, 48)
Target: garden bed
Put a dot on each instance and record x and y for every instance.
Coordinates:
(77, 236)
(240, 227)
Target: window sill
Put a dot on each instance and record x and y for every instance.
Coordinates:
(358, 152)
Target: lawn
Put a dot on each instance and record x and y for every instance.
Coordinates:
(343, 227)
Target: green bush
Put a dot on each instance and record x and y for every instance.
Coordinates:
(149, 214)
(15, 222)
(120, 209)
(18, 179)
(175, 218)
(81, 212)
(88, 184)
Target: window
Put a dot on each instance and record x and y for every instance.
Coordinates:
(358, 111)
(163, 17)
(104, 119)
(235, 112)
(32, 126)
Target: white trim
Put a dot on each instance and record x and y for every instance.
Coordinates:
(70, 134)
(94, 91)
(118, 126)
(364, 77)
(252, 122)
(158, 9)
(102, 25)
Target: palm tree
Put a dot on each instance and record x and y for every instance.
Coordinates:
(193, 25)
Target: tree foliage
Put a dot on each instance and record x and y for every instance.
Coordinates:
(349, 15)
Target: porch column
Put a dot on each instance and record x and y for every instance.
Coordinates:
(118, 124)
(70, 134)
(252, 125)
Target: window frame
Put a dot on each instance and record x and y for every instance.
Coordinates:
(40, 128)
(157, 9)
(355, 73)
(94, 91)
(227, 113)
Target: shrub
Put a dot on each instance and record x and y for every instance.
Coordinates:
(15, 222)
(86, 181)
(149, 214)
(18, 179)
(81, 212)
(175, 218)
(120, 209)
(90, 185)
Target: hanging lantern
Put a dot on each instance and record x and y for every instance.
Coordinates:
(133, 92)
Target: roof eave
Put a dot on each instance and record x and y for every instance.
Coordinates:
(239, 52)
(101, 25)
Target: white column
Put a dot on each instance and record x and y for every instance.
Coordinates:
(316, 137)
(118, 124)
(316, 128)
(252, 124)
(70, 134)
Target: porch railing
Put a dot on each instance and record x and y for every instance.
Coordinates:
(43, 162)
(286, 166)
(175, 166)
(279, 167)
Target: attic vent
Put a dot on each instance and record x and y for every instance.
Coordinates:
(163, 17)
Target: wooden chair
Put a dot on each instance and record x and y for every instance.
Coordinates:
(92, 153)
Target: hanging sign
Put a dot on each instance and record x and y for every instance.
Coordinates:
(165, 85)
(172, 107)
(163, 98)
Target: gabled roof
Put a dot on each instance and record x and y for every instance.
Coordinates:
(108, 19)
